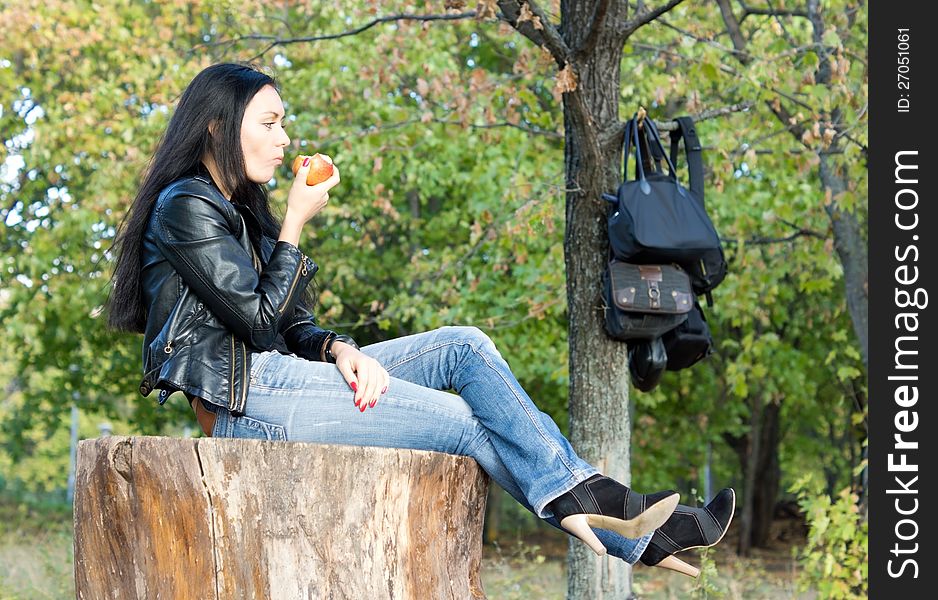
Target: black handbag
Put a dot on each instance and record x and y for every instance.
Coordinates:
(689, 342)
(644, 301)
(657, 220)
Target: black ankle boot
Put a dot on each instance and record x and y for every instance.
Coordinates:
(607, 504)
(690, 528)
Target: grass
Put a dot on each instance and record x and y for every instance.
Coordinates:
(36, 554)
(36, 558)
(536, 569)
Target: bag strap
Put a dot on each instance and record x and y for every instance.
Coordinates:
(657, 154)
(652, 154)
(627, 148)
(652, 131)
(630, 137)
(693, 150)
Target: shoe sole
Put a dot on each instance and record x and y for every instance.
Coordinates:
(650, 519)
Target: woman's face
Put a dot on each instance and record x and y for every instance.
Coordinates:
(262, 135)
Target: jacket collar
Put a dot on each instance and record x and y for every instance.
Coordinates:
(201, 173)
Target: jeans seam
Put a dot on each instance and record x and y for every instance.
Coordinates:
(534, 420)
(419, 353)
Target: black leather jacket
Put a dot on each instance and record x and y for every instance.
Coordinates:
(212, 300)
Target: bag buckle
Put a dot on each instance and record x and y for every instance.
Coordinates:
(654, 294)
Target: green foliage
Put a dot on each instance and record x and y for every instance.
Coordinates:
(835, 559)
(707, 585)
(451, 209)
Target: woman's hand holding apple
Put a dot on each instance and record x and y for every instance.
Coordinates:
(306, 199)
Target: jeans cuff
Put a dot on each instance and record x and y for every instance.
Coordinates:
(540, 509)
(639, 549)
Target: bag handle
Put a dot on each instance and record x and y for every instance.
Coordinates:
(639, 166)
(627, 147)
(626, 150)
(652, 154)
(631, 136)
(653, 130)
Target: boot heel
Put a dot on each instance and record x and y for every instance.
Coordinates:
(676, 564)
(578, 525)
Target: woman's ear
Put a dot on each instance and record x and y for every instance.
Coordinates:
(211, 128)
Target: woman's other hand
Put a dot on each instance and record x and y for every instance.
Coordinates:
(364, 374)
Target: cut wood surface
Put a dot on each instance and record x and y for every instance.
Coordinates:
(171, 518)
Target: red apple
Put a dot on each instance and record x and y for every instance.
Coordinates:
(320, 169)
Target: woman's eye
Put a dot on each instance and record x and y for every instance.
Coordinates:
(269, 125)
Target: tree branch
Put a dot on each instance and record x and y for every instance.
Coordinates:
(615, 136)
(333, 36)
(547, 37)
(647, 17)
(771, 12)
(763, 241)
(377, 128)
(732, 27)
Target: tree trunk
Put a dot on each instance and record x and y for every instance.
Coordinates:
(758, 458)
(599, 393)
(222, 518)
(768, 477)
(852, 250)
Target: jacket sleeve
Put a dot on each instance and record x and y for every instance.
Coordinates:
(196, 239)
(304, 337)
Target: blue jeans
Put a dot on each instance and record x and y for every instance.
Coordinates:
(491, 419)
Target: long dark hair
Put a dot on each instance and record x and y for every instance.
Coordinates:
(218, 96)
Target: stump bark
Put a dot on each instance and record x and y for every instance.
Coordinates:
(229, 518)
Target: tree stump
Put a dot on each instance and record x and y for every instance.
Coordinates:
(230, 518)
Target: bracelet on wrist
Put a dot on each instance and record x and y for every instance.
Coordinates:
(325, 345)
(330, 356)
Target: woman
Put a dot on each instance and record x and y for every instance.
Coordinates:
(214, 282)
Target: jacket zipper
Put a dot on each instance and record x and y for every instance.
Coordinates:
(301, 271)
(196, 321)
(231, 401)
(257, 263)
(175, 318)
(244, 373)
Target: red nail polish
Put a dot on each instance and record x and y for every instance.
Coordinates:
(362, 407)
(385, 390)
(357, 401)
(372, 404)
(306, 162)
(354, 386)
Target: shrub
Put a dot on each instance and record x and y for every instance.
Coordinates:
(834, 560)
